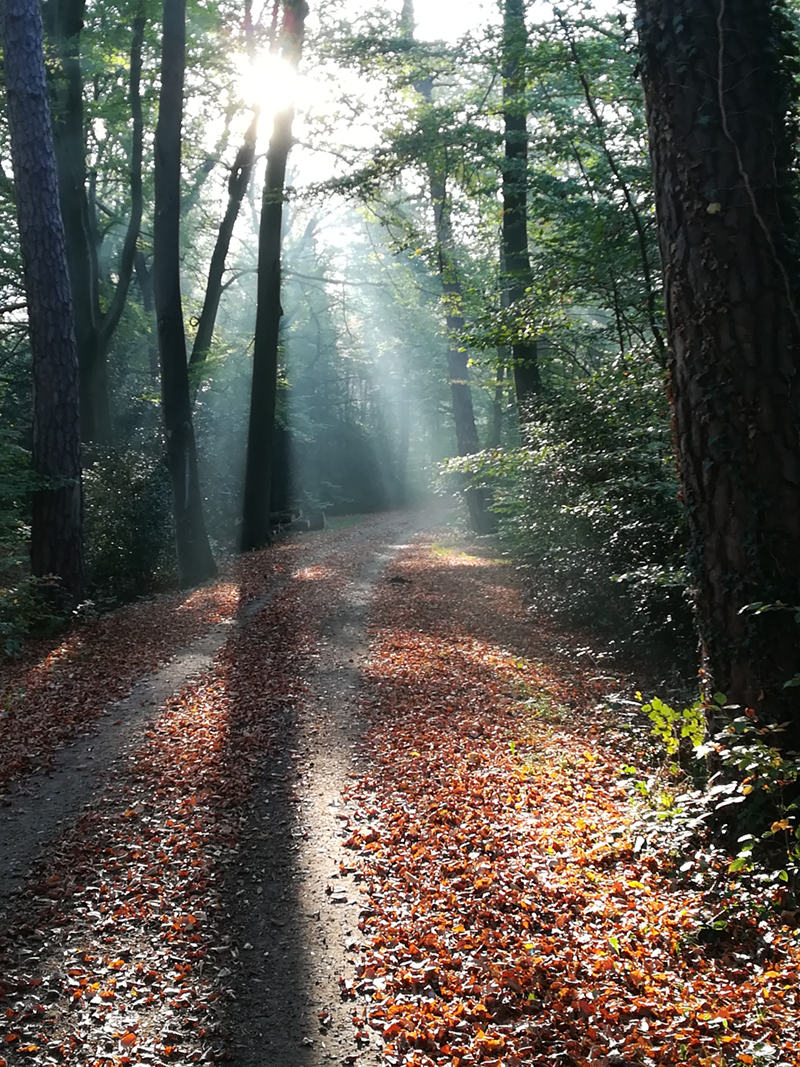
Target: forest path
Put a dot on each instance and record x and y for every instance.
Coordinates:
(280, 652)
(382, 688)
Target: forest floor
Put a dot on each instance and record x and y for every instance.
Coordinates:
(348, 805)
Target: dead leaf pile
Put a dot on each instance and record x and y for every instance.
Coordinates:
(509, 919)
(57, 689)
(120, 949)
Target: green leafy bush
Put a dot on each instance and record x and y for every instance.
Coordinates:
(127, 524)
(589, 503)
(727, 792)
(16, 485)
(23, 608)
(27, 610)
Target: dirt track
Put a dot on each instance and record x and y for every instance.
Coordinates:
(177, 891)
(285, 924)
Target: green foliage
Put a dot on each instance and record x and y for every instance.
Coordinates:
(127, 524)
(23, 609)
(742, 792)
(672, 727)
(26, 610)
(16, 484)
(589, 503)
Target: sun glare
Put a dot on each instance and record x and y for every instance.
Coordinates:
(269, 82)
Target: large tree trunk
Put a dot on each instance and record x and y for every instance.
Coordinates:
(258, 469)
(195, 562)
(516, 258)
(728, 244)
(94, 328)
(56, 530)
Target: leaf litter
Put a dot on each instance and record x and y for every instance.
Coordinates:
(509, 918)
(505, 917)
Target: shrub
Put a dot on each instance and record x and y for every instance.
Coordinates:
(127, 524)
(589, 505)
(723, 782)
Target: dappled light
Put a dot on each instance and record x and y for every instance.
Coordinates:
(47, 701)
(313, 574)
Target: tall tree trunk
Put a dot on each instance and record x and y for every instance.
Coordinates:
(498, 400)
(258, 469)
(56, 529)
(630, 201)
(728, 235)
(516, 257)
(109, 321)
(195, 562)
(481, 519)
(94, 328)
(404, 440)
(237, 187)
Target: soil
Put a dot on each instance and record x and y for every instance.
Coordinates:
(293, 900)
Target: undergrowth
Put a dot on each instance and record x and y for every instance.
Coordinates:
(721, 803)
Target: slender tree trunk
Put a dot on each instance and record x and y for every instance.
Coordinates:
(109, 321)
(404, 427)
(481, 519)
(144, 277)
(94, 328)
(498, 401)
(237, 187)
(56, 529)
(622, 185)
(195, 562)
(728, 242)
(258, 470)
(516, 257)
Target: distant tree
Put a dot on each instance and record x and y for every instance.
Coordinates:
(721, 99)
(195, 561)
(259, 463)
(436, 165)
(517, 276)
(56, 528)
(238, 182)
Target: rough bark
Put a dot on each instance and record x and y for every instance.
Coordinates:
(195, 562)
(94, 328)
(259, 463)
(516, 256)
(237, 187)
(56, 528)
(730, 271)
